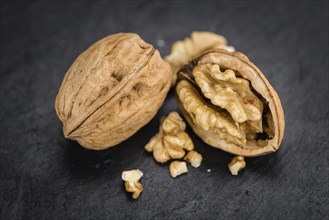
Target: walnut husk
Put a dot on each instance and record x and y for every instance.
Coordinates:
(250, 124)
(111, 90)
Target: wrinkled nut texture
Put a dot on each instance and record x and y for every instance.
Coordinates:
(171, 141)
(182, 52)
(236, 165)
(194, 158)
(230, 105)
(112, 90)
(131, 180)
(172, 124)
(177, 168)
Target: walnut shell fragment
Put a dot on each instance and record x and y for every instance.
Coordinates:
(111, 90)
(229, 104)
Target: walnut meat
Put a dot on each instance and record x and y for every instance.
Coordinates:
(229, 104)
(182, 52)
(112, 89)
(177, 168)
(194, 158)
(131, 180)
(171, 141)
(236, 165)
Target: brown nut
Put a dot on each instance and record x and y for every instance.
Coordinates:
(112, 89)
(230, 105)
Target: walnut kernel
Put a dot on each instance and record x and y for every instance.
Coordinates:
(194, 158)
(236, 165)
(131, 180)
(182, 52)
(171, 141)
(177, 168)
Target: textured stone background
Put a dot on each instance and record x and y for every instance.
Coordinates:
(44, 176)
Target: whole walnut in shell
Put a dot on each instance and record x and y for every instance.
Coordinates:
(229, 103)
(111, 90)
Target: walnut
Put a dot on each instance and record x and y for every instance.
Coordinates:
(236, 165)
(131, 179)
(112, 89)
(194, 158)
(171, 141)
(182, 52)
(229, 104)
(205, 117)
(177, 168)
(229, 92)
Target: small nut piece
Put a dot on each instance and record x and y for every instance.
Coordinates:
(132, 184)
(111, 90)
(182, 52)
(177, 168)
(171, 140)
(194, 158)
(236, 165)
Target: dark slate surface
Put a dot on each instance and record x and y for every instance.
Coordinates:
(44, 176)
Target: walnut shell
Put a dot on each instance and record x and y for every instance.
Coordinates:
(111, 90)
(229, 104)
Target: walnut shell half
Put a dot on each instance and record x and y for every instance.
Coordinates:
(229, 104)
(112, 89)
